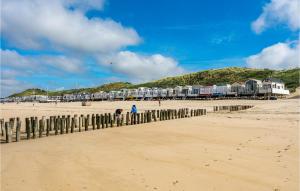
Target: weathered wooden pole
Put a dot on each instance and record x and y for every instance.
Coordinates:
(48, 127)
(134, 118)
(56, 125)
(131, 119)
(34, 127)
(8, 132)
(51, 123)
(73, 122)
(62, 124)
(86, 123)
(154, 115)
(28, 127)
(18, 130)
(127, 118)
(41, 128)
(68, 123)
(102, 120)
(93, 121)
(142, 118)
(122, 119)
(111, 120)
(79, 123)
(138, 118)
(145, 117)
(2, 127)
(98, 121)
(106, 120)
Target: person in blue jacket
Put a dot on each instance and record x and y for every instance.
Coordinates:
(133, 109)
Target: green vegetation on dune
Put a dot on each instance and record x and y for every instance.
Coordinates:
(206, 77)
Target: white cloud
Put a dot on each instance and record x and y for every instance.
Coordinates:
(141, 67)
(277, 56)
(278, 12)
(84, 5)
(37, 24)
(12, 59)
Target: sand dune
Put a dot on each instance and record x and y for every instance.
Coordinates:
(256, 149)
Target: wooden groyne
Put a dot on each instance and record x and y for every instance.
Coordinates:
(231, 108)
(64, 124)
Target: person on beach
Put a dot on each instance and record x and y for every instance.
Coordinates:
(159, 103)
(133, 109)
(119, 113)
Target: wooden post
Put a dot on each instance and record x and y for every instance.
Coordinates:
(142, 118)
(131, 118)
(8, 132)
(127, 118)
(145, 117)
(72, 124)
(34, 127)
(48, 127)
(98, 121)
(56, 125)
(18, 130)
(2, 127)
(80, 123)
(106, 120)
(62, 124)
(111, 120)
(86, 123)
(41, 128)
(51, 123)
(154, 115)
(28, 127)
(122, 119)
(93, 121)
(138, 118)
(82, 120)
(102, 121)
(88, 119)
(134, 118)
(68, 123)
(157, 113)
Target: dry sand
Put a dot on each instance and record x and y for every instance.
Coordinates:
(256, 149)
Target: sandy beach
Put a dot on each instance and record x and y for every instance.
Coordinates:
(254, 150)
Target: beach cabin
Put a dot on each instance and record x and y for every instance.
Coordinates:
(237, 88)
(162, 92)
(155, 92)
(170, 93)
(132, 94)
(178, 92)
(273, 86)
(148, 93)
(206, 91)
(252, 86)
(188, 91)
(221, 90)
(141, 93)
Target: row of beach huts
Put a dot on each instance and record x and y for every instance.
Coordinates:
(269, 87)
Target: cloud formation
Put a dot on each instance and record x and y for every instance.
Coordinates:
(141, 67)
(277, 56)
(12, 59)
(42, 24)
(278, 12)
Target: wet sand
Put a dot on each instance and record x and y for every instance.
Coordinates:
(255, 149)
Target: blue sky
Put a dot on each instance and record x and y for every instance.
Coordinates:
(69, 44)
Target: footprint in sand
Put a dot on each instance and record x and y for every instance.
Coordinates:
(207, 165)
(175, 182)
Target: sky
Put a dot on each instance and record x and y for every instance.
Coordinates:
(63, 44)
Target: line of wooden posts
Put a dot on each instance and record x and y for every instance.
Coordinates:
(232, 107)
(55, 125)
